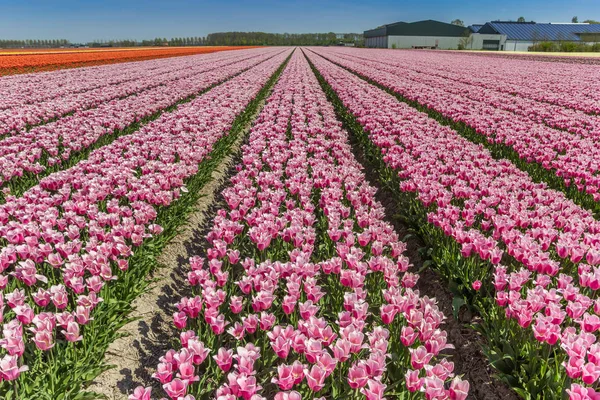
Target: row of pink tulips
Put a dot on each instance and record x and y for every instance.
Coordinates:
(23, 152)
(548, 82)
(15, 120)
(65, 239)
(23, 89)
(571, 156)
(295, 265)
(462, 84)
(491, 209)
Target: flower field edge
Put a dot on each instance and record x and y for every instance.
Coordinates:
(78, 368)
(35, 118)
(28, 69)
(19, 185)
(498, 150)
(511, 351)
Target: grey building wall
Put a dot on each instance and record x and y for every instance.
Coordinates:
(377, 42)
(517, 45)
(409, 42)
(477, 41)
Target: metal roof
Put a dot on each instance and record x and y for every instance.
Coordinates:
(420, 28)
(531, 31)
(475, 28)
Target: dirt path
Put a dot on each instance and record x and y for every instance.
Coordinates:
(151, 334)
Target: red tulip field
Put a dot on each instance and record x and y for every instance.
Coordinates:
(301, 223)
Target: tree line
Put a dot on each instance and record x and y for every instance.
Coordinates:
(178, 41)
(213, 39)
(33, 43)
(243, 39)
(282, 39)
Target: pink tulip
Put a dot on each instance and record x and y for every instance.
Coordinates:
(43, 340)
(459, 389)
(413, 382)
(247, 386)
(293, 395)
(590, 373)
(357, 376)
(198, 351)
(315, 377)
(72, 332)
(224, 359)
(375, 390)
(141, 393)
(176, 388)
(388, 311)
(180, 319)
(164, 373)
(9, 368)
(419, 357)
(285, 380)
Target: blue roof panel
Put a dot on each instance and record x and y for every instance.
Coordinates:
(531, 31)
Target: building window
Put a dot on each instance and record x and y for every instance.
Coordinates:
(491, 45)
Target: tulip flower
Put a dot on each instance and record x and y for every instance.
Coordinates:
(141, 393)
(224, 359)
(9, 368)
(315, 377)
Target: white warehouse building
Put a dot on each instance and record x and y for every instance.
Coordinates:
(421, 34)
(519, 36)
(495, 35)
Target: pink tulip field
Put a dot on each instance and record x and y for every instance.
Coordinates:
(540, 127)
(303, 284)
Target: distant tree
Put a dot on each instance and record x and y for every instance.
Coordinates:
(591, 21)
(575, 20)
(521, 19)
(466, 40)
(458, 22)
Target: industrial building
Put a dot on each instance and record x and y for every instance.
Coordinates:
(495, 35)
(421, 34)
(519, 36)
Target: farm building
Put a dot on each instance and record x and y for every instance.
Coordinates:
(495, 35)
(519, 36)
(421, 34)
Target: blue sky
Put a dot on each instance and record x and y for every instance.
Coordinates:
(129, 19)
